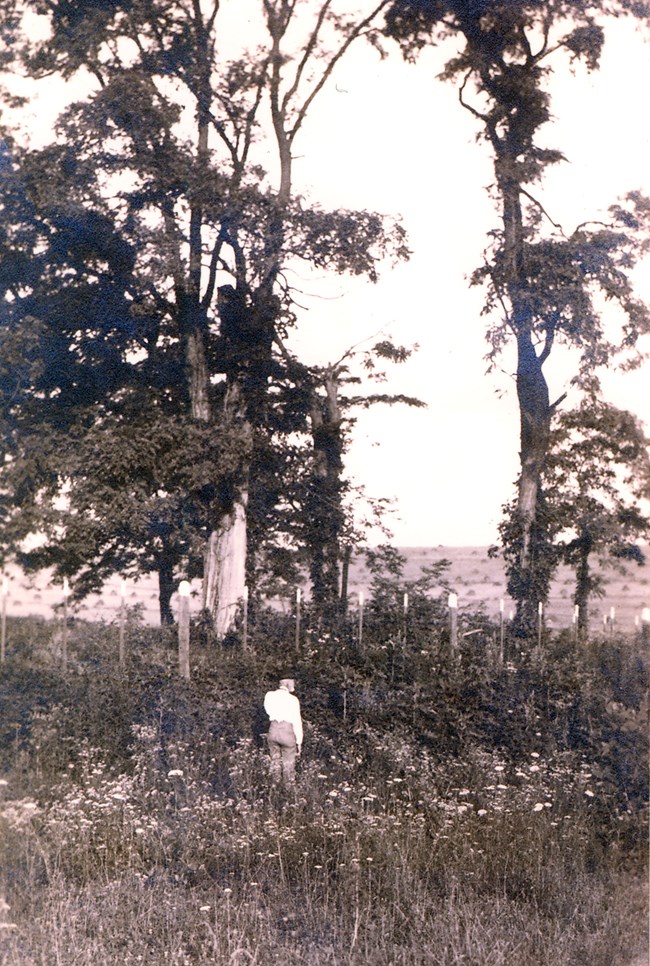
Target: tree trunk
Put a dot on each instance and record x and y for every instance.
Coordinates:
(531, 585)
(583, 585)
(324, 511)
(345, 576)
(225, 567)
(198, 375)
(165, 590)
(527, 586)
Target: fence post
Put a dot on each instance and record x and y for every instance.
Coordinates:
(452, 601)
(3, 625)
(502, 636)
(244, 640)
(298, 600)
(122, 622)
(612, 620)
(64, 635)
(184, 628)
(360, 635)
(540, 622)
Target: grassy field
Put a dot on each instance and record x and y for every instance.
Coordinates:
(477, 578)
(450, 810)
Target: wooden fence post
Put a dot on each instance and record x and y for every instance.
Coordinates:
(540, 622)
(64, 635)
(645, 625)
(184, 629)
(502, 635)
(244, 640)
(405, 619)
(3, 625)
(298, 602)
(122, 621)
(452, 601)
(360, 632)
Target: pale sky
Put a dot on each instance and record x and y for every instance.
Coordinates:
(390, 137)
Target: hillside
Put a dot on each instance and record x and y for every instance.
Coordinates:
(477, 579)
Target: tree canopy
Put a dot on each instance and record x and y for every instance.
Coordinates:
(144, 258)
(597, 485)
(543, 287)
(152, 413)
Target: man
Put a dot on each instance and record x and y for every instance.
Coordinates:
(285, 731)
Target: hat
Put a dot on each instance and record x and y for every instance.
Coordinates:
(288, 683)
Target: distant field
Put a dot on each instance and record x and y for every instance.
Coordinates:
(478, 579)
(475, 577)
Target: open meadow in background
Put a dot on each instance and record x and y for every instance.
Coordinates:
(478, 579)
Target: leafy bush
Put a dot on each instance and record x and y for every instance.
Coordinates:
(469, 811)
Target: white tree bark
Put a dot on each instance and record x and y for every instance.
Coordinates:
(224, 577)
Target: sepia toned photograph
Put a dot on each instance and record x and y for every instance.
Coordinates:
(325, 482)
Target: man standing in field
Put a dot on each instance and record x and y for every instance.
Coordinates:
(285, 731)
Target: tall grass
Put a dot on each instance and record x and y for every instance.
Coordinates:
(468, 814)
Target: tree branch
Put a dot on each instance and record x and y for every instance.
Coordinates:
(541, 207)
(326, 74)
(557, 402)
(309, 48)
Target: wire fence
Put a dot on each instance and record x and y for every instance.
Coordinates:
(38, 596)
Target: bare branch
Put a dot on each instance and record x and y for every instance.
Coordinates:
(215, 260)
(326, 74)
(541, 207)
(468, 107)
(309, 49)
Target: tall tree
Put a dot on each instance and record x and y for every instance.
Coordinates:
(327, 519)
(162, 152)
(596, 479)
(542, 285)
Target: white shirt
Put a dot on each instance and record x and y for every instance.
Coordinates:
(281, 705)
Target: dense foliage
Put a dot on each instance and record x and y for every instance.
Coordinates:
(467, 810)
(144, 262)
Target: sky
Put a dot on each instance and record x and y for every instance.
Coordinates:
(390, 137)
